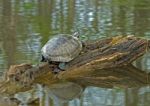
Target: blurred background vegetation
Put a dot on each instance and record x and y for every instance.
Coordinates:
(25, 25)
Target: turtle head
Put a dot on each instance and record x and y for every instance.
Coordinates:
(76, 34)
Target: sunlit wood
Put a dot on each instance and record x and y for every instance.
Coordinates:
(104, 63)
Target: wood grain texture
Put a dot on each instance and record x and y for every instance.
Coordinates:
(104, 63)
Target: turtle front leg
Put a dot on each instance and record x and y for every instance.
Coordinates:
(56, 70)
(61, 67)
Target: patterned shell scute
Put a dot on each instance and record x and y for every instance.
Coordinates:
(62, 48)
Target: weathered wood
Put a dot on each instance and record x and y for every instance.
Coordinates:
(97, 56)
(124, 76)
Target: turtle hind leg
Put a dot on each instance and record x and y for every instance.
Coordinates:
(43, 59)
(54, 65)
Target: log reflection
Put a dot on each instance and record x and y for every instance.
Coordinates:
(124, 77)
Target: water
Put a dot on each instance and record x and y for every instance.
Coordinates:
(25, 26)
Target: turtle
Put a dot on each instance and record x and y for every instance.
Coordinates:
(61, 49)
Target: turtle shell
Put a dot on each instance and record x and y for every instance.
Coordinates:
(62, 48)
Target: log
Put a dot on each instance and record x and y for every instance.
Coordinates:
(103, 62)
(122, 77)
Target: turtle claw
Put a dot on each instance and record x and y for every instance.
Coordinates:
(57, 70)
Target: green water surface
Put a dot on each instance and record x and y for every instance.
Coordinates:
(26, 25)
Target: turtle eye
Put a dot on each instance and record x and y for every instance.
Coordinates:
(76, 34)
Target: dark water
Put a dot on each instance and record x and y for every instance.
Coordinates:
(25, 26)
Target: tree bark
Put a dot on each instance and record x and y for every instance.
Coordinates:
(104, 63)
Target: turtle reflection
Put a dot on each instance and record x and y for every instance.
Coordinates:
(59, 93)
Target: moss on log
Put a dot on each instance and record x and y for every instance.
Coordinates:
(103, 62)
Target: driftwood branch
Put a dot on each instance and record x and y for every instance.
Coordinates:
(96, 65)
